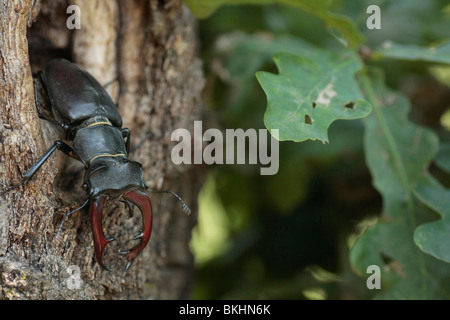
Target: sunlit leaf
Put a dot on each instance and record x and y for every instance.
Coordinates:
(309, 94)
(210, 238)
(445, 120)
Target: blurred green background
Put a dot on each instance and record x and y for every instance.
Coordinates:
(287, 236)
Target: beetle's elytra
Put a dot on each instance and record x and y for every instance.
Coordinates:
(91, 120)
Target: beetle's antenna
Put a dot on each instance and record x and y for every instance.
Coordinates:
(68, 214)
(185, 206)
(147, 136)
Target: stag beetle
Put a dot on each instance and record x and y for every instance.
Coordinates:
(83, 108)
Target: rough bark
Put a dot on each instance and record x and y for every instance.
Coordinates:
(150, 49)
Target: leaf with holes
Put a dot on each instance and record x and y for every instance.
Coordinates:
(397, 153)
(309, 94)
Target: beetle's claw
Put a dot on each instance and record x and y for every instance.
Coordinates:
(100, 242)
(140, 199)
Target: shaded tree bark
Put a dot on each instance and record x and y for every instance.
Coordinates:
(148, 49)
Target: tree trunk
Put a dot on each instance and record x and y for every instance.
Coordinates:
(148, 50)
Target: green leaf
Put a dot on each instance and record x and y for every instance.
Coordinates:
(204, 8)
(443, 158)
(435, 54)
(434, 237)
(309, 94)
(397, 154)
(318, 8)
(250, 52)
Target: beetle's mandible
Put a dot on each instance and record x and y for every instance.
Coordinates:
(91, 120)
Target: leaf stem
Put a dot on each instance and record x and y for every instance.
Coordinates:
(398, 162)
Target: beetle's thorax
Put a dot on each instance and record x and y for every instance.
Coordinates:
(101, 147)
(98, 138)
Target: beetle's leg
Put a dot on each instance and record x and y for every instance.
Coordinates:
(68, 214)
(100, 242)
(60, 145)
(36, 101)
(110, 82)
(126, 134)
(141, 199)
(41, 76)
(185, 206)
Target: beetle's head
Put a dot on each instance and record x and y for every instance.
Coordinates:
(110, 178)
